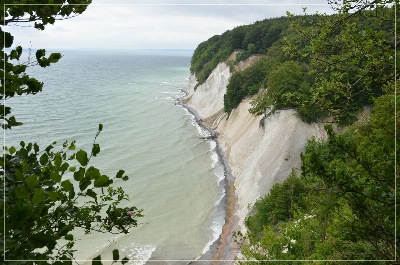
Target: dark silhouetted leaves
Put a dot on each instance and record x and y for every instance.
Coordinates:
(115, 255)
(95, 149)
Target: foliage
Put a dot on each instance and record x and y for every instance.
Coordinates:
(279, 205)
(349, 57)
(345, 58)
(345, 208)
(48, 193)
(244, 83)
(16, 81)
(287, 84)
(346, 205)
(248, 39)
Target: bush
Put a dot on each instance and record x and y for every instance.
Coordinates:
(244, 83)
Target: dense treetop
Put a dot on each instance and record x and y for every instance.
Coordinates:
(323, 66)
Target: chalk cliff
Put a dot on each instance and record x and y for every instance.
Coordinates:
(258, 157)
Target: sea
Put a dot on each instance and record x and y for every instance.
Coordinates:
(176, 176)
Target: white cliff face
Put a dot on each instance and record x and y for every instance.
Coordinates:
(209, 97)
(258, 157)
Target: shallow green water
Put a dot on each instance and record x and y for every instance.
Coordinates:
(174, 173)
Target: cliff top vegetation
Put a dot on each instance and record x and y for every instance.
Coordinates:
(320, 65)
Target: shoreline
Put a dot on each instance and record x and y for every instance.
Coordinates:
(223, 249)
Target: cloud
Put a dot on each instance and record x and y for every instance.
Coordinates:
(157, 24)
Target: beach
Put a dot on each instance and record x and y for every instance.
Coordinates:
(255, 158)
(222, 249)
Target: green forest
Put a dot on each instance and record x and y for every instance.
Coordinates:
(323, 66)
(342, 206)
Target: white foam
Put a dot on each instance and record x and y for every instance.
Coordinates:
(220, 198)
(138, 254)
(201, 131)
(214, 158)
(220, 175)
(216, 229)
(213, 145)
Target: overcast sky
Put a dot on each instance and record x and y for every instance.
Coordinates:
(156, 24)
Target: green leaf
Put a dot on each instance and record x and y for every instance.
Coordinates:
(18, 174)
(39, 195)
(54, 57)
(8, 39)
(125, 178)
(32, 181)
(39, 26)
(92, 173)
(51, 20)
(78, 175)
(11, 122)
(69, 237)
(24, 166)
(95, 149)
(97, 261)
(71, 194)
(72, 146)
(19, 51)
(84, 184)
(4, 111)
(55, 176)
(57, 160)
(29, 147)
(34, 86)
(100, 127)
(92, 194)
(13, 55)
(54, 196)
(115, 255)
(120, 174)
(40, 53)
(101, 181)
(21, 192)
(12, 150)
(64, 229)
(64, 167)
(36, 148)
(44, 159)
(82, 158)
(124, 260)
(67, 185)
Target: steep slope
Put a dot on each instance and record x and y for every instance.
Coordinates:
(257, 157)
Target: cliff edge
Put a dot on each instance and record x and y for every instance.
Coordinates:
(258, 157)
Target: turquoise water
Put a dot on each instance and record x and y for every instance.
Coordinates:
(175, 175)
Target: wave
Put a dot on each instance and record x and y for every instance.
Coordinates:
(216, 229)
(219, 171)
(138, 254)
